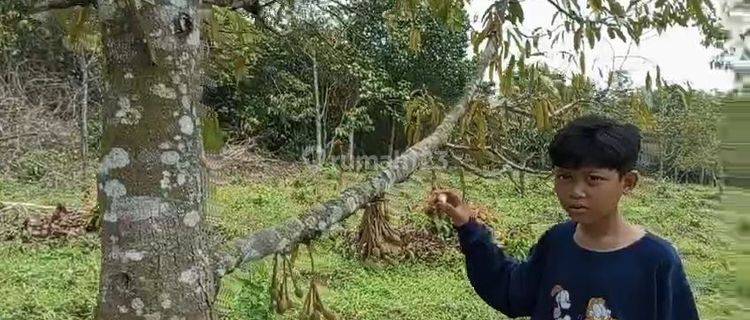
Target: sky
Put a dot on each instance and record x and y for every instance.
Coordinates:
(677, 52)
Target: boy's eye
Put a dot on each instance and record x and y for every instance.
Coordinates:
(596, 178)
(563, 176)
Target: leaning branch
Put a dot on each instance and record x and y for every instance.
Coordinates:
(319, 219)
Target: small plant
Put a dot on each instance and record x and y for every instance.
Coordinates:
(312, 307)
(282, 277)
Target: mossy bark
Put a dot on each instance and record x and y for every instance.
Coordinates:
(155, 262)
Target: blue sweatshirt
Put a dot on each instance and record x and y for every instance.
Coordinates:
(561, 280)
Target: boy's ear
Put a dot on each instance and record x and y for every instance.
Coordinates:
(630, 180)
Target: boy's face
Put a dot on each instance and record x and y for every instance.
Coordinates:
(590, 193)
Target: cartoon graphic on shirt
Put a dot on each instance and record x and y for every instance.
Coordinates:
(597, 310)
(562, 303)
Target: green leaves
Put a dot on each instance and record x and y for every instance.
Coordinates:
(620, 35)
(527, 48)
(611, 33)
(590, 36)
(448, 12)
(424, 113)
(213, 136)
(81, 30)
(474, 129)
(234, 43)
(415, 39)
(506, 83)
(710, 5)
(616, 8)
(658, 77)
(542, 112)
(596, 5)
(515, 12)
(582, 62)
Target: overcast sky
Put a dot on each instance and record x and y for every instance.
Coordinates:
(677, 52)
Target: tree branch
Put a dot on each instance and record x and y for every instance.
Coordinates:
(248, 5)
(504, 104)
(565, 108)
(6, 204)
(5, 138)
(477, 171)
(499, 155)
(565, 12)
(320, 218)
(59, 4)
(253, 7)
(515, 165)
(515, 110)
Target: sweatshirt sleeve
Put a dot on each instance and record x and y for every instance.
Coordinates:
(500, 280)
(674, 297)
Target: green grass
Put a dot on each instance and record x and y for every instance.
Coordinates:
(16, 191)
(49, 281)
(58, 280)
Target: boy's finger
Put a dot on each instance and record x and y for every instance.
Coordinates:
(446, 208)
(450, 196)
(432, 200)
(447, 192)
(439, 191)
(453, 198)
(435, 193)
(437, 196)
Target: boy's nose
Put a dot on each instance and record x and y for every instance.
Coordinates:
(578, 192)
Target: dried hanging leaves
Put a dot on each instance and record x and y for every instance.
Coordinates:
(376, 238)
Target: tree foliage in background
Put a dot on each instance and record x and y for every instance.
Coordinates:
(530, 93)
(366, 69)
(434, 60)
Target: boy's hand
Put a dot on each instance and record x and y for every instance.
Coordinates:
(449, 203)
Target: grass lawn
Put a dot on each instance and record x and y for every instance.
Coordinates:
(58, 279)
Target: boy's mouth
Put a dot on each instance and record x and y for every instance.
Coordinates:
(577, 208)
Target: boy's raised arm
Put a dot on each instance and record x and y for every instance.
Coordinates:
(500, 280)
(504, 283)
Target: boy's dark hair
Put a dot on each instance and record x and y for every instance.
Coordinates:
(596, 141)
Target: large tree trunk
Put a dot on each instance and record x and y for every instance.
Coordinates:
(155, 263)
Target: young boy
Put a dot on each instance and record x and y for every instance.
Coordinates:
(595, 266)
